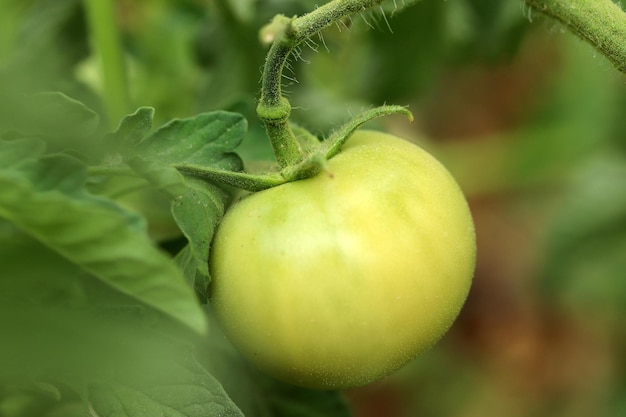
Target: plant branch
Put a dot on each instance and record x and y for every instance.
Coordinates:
(287, 34)
(308, 25)
(106, 43)
(599, 22)
(241, 180)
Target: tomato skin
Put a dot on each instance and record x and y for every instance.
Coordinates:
(338, 280)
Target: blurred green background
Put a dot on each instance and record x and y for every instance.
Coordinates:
(529, 119)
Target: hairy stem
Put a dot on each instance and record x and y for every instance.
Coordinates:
(106, 43)
(337, 140)
(241, 180)
(600, 22)
(288, 33)
(324, 16)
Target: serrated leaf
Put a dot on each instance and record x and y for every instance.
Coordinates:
(47, 200)
(64, 123)
(133, 128)
(64, 116)
(206, 139)
(193, 269)
(198, 212)
(163, 176)
(52, 115)
(182, 389)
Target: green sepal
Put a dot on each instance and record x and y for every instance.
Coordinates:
(240, 180)
(334, 143)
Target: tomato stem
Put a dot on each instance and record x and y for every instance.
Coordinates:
(106, 44)
(240, 180)
(600, 22)
(286, 34)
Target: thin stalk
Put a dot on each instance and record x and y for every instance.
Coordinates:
(599, 22)
(107, 47)
(273, 108)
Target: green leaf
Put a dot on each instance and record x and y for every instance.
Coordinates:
(198, 212)
(51, 115)
(133, 128)
(163, 176)
(112, 357)
(68, 410)
(206, 139)
(192, 268)
(183, 388)
(64, 116)
(52, 279)
(64, 123)
(47, 200)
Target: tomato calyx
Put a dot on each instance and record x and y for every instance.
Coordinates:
(336, 141)
(317, 155)
(322, 152)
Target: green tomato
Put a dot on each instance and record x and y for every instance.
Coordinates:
(340, 279)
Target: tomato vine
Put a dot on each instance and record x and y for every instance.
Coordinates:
(294, 161)
(602, 23)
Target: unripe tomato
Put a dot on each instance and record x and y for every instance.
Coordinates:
(338, 280)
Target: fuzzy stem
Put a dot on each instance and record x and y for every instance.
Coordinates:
(288, 33)
(241, 180)
(337, 140)
(600, 22)
(308, 25)
(106, 43)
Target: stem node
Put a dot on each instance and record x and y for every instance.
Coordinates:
(274, 113)
(285, 34)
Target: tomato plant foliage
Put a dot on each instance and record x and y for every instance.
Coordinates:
(96, 256)
(130, 138)
(48, 198)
